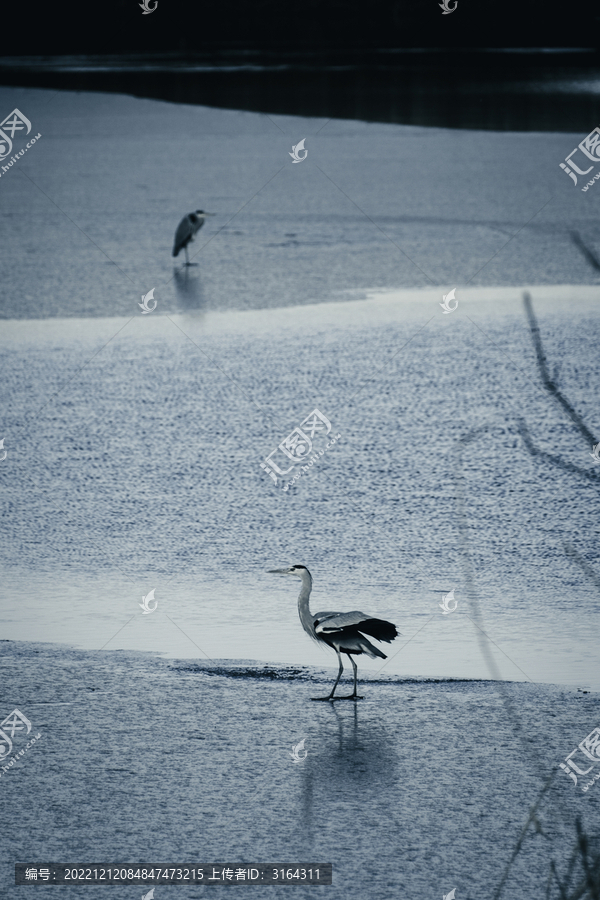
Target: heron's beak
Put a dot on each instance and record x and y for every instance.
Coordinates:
(279, 571)
(208, 214)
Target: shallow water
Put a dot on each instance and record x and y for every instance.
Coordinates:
(138, 468)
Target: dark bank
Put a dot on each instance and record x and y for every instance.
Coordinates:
(494, 89)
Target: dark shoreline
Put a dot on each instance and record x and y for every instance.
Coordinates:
(507, 90)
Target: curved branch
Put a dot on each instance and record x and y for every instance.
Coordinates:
(547, 382)
(592, 475)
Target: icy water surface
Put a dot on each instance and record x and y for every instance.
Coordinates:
(417, 789)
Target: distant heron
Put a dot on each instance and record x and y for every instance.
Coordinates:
(186, 230)
(344, 632)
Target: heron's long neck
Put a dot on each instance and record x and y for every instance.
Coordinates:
(303, 608)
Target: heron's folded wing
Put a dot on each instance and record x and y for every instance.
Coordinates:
(183, 233)
(327, 623)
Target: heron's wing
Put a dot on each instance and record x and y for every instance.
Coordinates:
(182, 235)
(328, 622)
(353, 622)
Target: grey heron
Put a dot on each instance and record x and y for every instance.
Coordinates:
(186, 230)
(343, 632)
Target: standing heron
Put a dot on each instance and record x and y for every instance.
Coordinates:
(186, 230)
(344, 632)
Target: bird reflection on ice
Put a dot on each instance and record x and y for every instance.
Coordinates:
(352, 752)
(356, 750)
(190, 292)
(363, 753)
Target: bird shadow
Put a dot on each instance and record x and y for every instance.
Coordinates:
(189, 289)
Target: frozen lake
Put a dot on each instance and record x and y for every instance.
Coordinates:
(89, 212)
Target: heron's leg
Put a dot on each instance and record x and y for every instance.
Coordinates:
(353, 696)
(187, 260)
(339, 673)
(331, 697)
